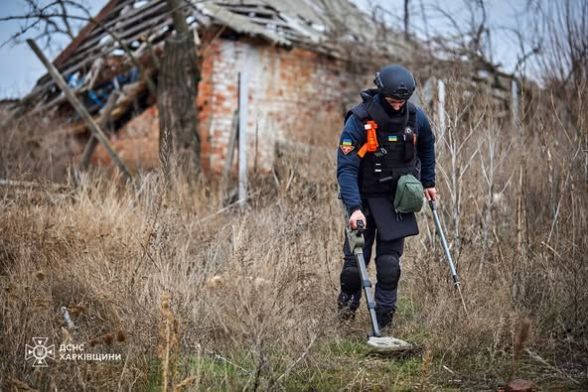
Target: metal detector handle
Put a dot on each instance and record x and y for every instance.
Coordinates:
(355, 237)
(360, 226)
(356, 242)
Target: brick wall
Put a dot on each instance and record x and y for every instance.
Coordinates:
(295, 96)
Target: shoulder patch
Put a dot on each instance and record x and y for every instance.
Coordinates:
(346, 148)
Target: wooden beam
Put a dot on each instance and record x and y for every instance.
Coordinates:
(71, 48)
(243, 100)
(230, 153)
(120, 22)
(123, 25)
(81, 109)
(102, 122)
(441, 107)
(130, 92)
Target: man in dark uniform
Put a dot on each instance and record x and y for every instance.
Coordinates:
(368, 176)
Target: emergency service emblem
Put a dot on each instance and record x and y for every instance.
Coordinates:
(346, 146)
(40, 352)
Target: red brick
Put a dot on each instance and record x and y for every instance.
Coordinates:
(291, 96)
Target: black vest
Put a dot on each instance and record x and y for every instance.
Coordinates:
(396, 155)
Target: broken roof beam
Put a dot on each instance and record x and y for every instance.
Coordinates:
(127, 36)
(128, 94)
(86, 60)
(106, 74)
(103, 120)
(256, 9)
(291, 27)
(72, 47)
(280, 21)
(129, 16)
(43, 89)
(120, 24)
(307, 10)
(240, 23)
(88, 84)
(79, 107)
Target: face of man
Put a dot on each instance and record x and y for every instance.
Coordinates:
(396, 104)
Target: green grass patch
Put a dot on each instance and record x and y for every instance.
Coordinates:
(349, 364)
(222, 374)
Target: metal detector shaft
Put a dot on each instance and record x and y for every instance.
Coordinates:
(444, 243)
(356, 243)
(454, 275)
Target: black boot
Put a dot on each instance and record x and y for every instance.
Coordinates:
(347, 304)
(385, 317)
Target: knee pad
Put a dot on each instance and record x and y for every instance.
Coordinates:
(388, 271)
(350, 279)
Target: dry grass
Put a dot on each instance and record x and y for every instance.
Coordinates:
(112, 256)
(37, 148)
(196, 299)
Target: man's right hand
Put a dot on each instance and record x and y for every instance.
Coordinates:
(357, 216)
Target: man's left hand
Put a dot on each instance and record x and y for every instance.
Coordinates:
(431, 194)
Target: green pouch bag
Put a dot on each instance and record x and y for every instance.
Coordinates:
(409, 194)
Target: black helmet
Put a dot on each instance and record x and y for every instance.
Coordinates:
(395, 81)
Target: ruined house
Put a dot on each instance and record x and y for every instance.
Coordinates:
(291, 52)
(294, 54)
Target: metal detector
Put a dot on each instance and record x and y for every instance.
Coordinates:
(452, 269)
(375, 340)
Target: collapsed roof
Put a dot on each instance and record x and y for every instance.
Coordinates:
(139, 26)
(99, 54)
